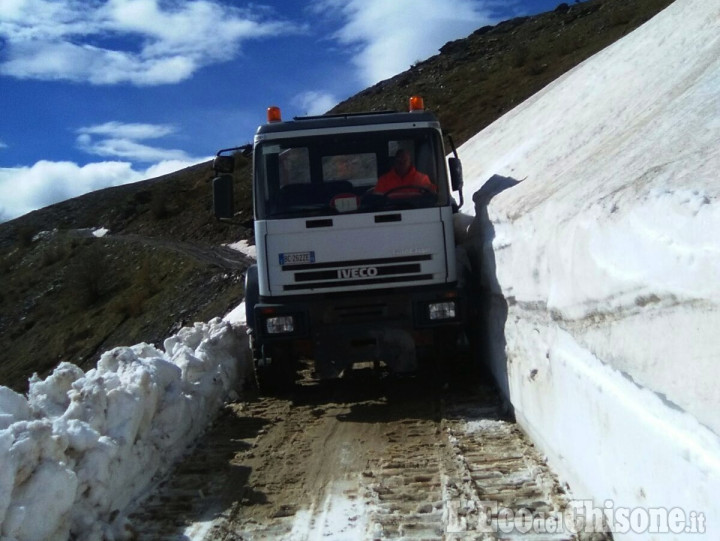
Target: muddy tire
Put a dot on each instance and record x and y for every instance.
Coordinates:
(276, 370)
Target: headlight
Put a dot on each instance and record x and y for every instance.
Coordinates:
(280, 324)
(441, 310)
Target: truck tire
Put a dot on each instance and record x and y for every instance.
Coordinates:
(276, 372)
(443, 357)
(252, 294)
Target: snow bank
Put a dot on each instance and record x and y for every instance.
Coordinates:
(82, 446)
(237, 315)
(244, 247)
(596, 220)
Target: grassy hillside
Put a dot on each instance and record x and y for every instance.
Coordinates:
(68, 296)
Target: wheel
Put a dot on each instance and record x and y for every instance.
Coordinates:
(276, 370)
(441, 362)
(252, 294)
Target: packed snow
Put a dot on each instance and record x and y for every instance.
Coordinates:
(597, 210)
(237, 315)
(83, 445)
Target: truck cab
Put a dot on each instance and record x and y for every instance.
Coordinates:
(346, 273)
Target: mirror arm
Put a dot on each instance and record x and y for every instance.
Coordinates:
(452, 146)
(245, 149)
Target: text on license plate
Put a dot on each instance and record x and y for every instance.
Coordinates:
(294, 258)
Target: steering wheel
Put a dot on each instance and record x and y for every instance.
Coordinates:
(422, 190)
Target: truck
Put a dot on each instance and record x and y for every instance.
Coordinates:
(347, 275)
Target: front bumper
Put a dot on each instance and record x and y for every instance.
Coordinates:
(304, 317)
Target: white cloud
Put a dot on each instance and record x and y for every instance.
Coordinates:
(314, 103)
(3, 145)
(143, 42)
(120, 140)
(386, 38)
(24, 189)
(59, 60)
(129, 130)
(128, 149)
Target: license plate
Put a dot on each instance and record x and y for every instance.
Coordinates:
(295, 258)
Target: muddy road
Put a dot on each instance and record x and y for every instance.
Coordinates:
(364, 458)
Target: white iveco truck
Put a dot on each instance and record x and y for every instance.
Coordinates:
(345, 274)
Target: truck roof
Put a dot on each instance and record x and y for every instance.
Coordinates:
(346, 120)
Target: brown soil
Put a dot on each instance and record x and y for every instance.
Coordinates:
(361, 459)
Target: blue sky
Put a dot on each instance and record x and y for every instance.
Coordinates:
(95, 93)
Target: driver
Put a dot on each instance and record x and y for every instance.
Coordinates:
(403, 173)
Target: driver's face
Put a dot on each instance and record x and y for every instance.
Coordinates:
(402, 163)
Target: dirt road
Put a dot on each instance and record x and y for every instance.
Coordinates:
(362, 459)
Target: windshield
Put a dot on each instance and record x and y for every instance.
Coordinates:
(349, 173)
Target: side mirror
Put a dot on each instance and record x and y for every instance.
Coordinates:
(223, 197)
(456, 176)
(456, 173)
(224, 164)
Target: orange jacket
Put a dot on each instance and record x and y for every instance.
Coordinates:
(413, 177)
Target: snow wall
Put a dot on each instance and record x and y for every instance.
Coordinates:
(595, 231)
(82, 447)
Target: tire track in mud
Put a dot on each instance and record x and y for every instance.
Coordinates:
(362, 459)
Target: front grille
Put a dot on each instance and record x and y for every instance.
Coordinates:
(331, 274)
(368, 281)
(345, 273)
(357, 262)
